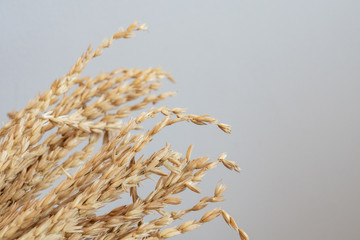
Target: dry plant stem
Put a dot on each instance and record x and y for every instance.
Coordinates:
(77, 109)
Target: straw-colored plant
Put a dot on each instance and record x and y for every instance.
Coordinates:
(41, 143)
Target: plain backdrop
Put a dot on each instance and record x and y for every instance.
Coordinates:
(285, 75)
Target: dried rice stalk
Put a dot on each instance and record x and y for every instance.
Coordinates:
(96, 109)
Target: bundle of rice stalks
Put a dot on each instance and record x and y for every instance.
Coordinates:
(41, 143)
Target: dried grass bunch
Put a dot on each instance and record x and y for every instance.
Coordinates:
(41, 143)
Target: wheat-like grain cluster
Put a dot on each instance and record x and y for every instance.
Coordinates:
(41, 143)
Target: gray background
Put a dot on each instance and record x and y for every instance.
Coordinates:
(284, 74)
